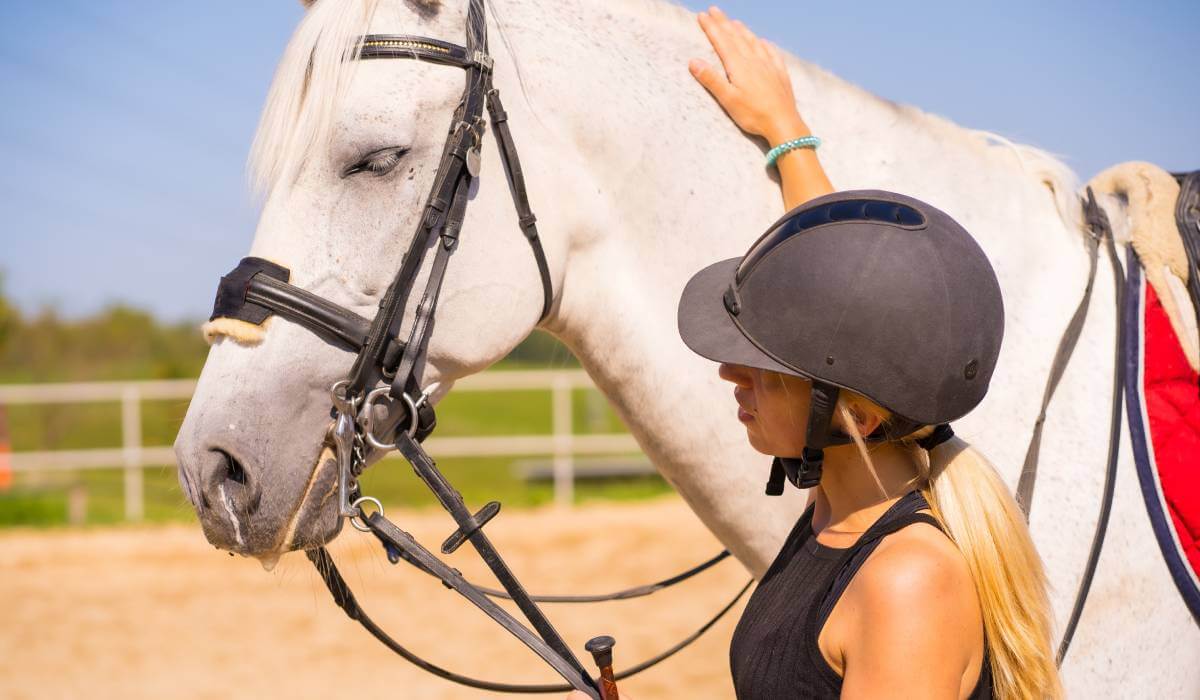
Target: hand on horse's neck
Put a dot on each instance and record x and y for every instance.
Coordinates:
(849, 499)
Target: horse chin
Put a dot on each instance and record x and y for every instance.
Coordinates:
(315, 521)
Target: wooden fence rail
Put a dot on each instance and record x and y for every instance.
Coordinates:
(562, 444)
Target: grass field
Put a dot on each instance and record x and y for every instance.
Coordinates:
(41, 499)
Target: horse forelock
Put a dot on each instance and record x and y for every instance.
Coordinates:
(311, 77)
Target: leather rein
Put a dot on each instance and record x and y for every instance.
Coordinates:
(382, 395)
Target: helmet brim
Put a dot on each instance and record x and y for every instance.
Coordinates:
(707, 328)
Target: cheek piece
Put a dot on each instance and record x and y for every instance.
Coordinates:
(805, 472)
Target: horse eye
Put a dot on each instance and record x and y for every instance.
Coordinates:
(377, 163)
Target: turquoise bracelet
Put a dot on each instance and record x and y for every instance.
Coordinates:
(802, 142)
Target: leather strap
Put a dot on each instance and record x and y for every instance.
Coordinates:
(1114, 450)
(334, 324)
(1100, 230)
(231, 301)
(520, 196)
(1187, 218)
(1097, 223)
(421, 329)
(547, 638)
(941, 433)
(344, 598)
(419, 47)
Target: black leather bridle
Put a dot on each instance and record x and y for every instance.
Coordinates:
(382, 395)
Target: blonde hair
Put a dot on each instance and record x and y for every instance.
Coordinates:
(980, 515)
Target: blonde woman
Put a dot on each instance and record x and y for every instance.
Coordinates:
(853, 331)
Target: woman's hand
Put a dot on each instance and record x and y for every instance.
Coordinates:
(756, 92)
(754, 87)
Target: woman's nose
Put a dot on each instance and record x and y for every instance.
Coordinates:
(738, 374)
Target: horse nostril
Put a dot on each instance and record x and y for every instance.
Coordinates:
(234, 471)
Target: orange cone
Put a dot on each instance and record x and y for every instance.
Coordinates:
(6, 475)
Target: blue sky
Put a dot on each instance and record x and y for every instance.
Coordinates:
(125, 125)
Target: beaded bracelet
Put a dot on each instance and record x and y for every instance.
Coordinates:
(802, 142)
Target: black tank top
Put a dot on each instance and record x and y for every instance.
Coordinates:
(774, 653)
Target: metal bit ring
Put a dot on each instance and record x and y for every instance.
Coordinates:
(367, 418)
(356, 520)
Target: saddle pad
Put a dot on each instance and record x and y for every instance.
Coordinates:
(1163, 405)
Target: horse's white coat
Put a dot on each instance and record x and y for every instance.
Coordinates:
(639, 180)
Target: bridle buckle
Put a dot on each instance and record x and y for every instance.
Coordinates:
(483, 60)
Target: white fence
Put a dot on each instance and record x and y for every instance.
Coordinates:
(562, 444)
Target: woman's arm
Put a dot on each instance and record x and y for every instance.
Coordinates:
(756, 92)
(910, 621)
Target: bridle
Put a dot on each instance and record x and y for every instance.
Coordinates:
(382, 395)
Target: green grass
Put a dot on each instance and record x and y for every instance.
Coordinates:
(42, 499)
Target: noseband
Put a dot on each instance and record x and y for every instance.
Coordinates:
(381, 405)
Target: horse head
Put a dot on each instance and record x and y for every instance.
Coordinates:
(346, 154)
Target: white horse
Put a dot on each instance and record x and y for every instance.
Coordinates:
(639, 180)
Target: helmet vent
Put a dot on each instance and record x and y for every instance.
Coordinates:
(971, 369)
(879, 211)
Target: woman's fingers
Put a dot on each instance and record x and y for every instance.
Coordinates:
(754, 88)
(750, 43)
(717, 29)
(776, 57)
(712, 79)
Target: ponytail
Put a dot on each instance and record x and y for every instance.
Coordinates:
(979, 513)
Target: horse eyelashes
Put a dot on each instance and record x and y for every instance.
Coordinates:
(378, 162)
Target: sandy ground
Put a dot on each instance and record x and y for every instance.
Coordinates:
(156, 612)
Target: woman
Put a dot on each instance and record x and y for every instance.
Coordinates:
(853, 331)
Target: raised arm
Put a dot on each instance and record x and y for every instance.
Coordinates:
(756, 92)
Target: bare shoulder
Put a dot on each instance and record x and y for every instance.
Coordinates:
(916, 593)
(917, 562)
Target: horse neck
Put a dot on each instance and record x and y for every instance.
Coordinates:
(661, 184)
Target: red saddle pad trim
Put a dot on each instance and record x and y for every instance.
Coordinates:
(1173, 410)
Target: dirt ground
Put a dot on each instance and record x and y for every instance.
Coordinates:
(156, 612)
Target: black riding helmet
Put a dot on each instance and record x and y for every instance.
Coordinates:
(865, 290)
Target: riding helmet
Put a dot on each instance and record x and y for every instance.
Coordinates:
(871, 291)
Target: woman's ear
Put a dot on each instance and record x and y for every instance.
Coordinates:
(865, 420)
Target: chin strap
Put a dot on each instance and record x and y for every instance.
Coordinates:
(806, 472)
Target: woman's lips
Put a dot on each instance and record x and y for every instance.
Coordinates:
(744, 415)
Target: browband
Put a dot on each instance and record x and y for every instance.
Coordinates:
(420, 47)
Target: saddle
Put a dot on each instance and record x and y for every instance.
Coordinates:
(1164, 229)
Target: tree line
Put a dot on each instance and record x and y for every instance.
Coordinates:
(122, 342)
